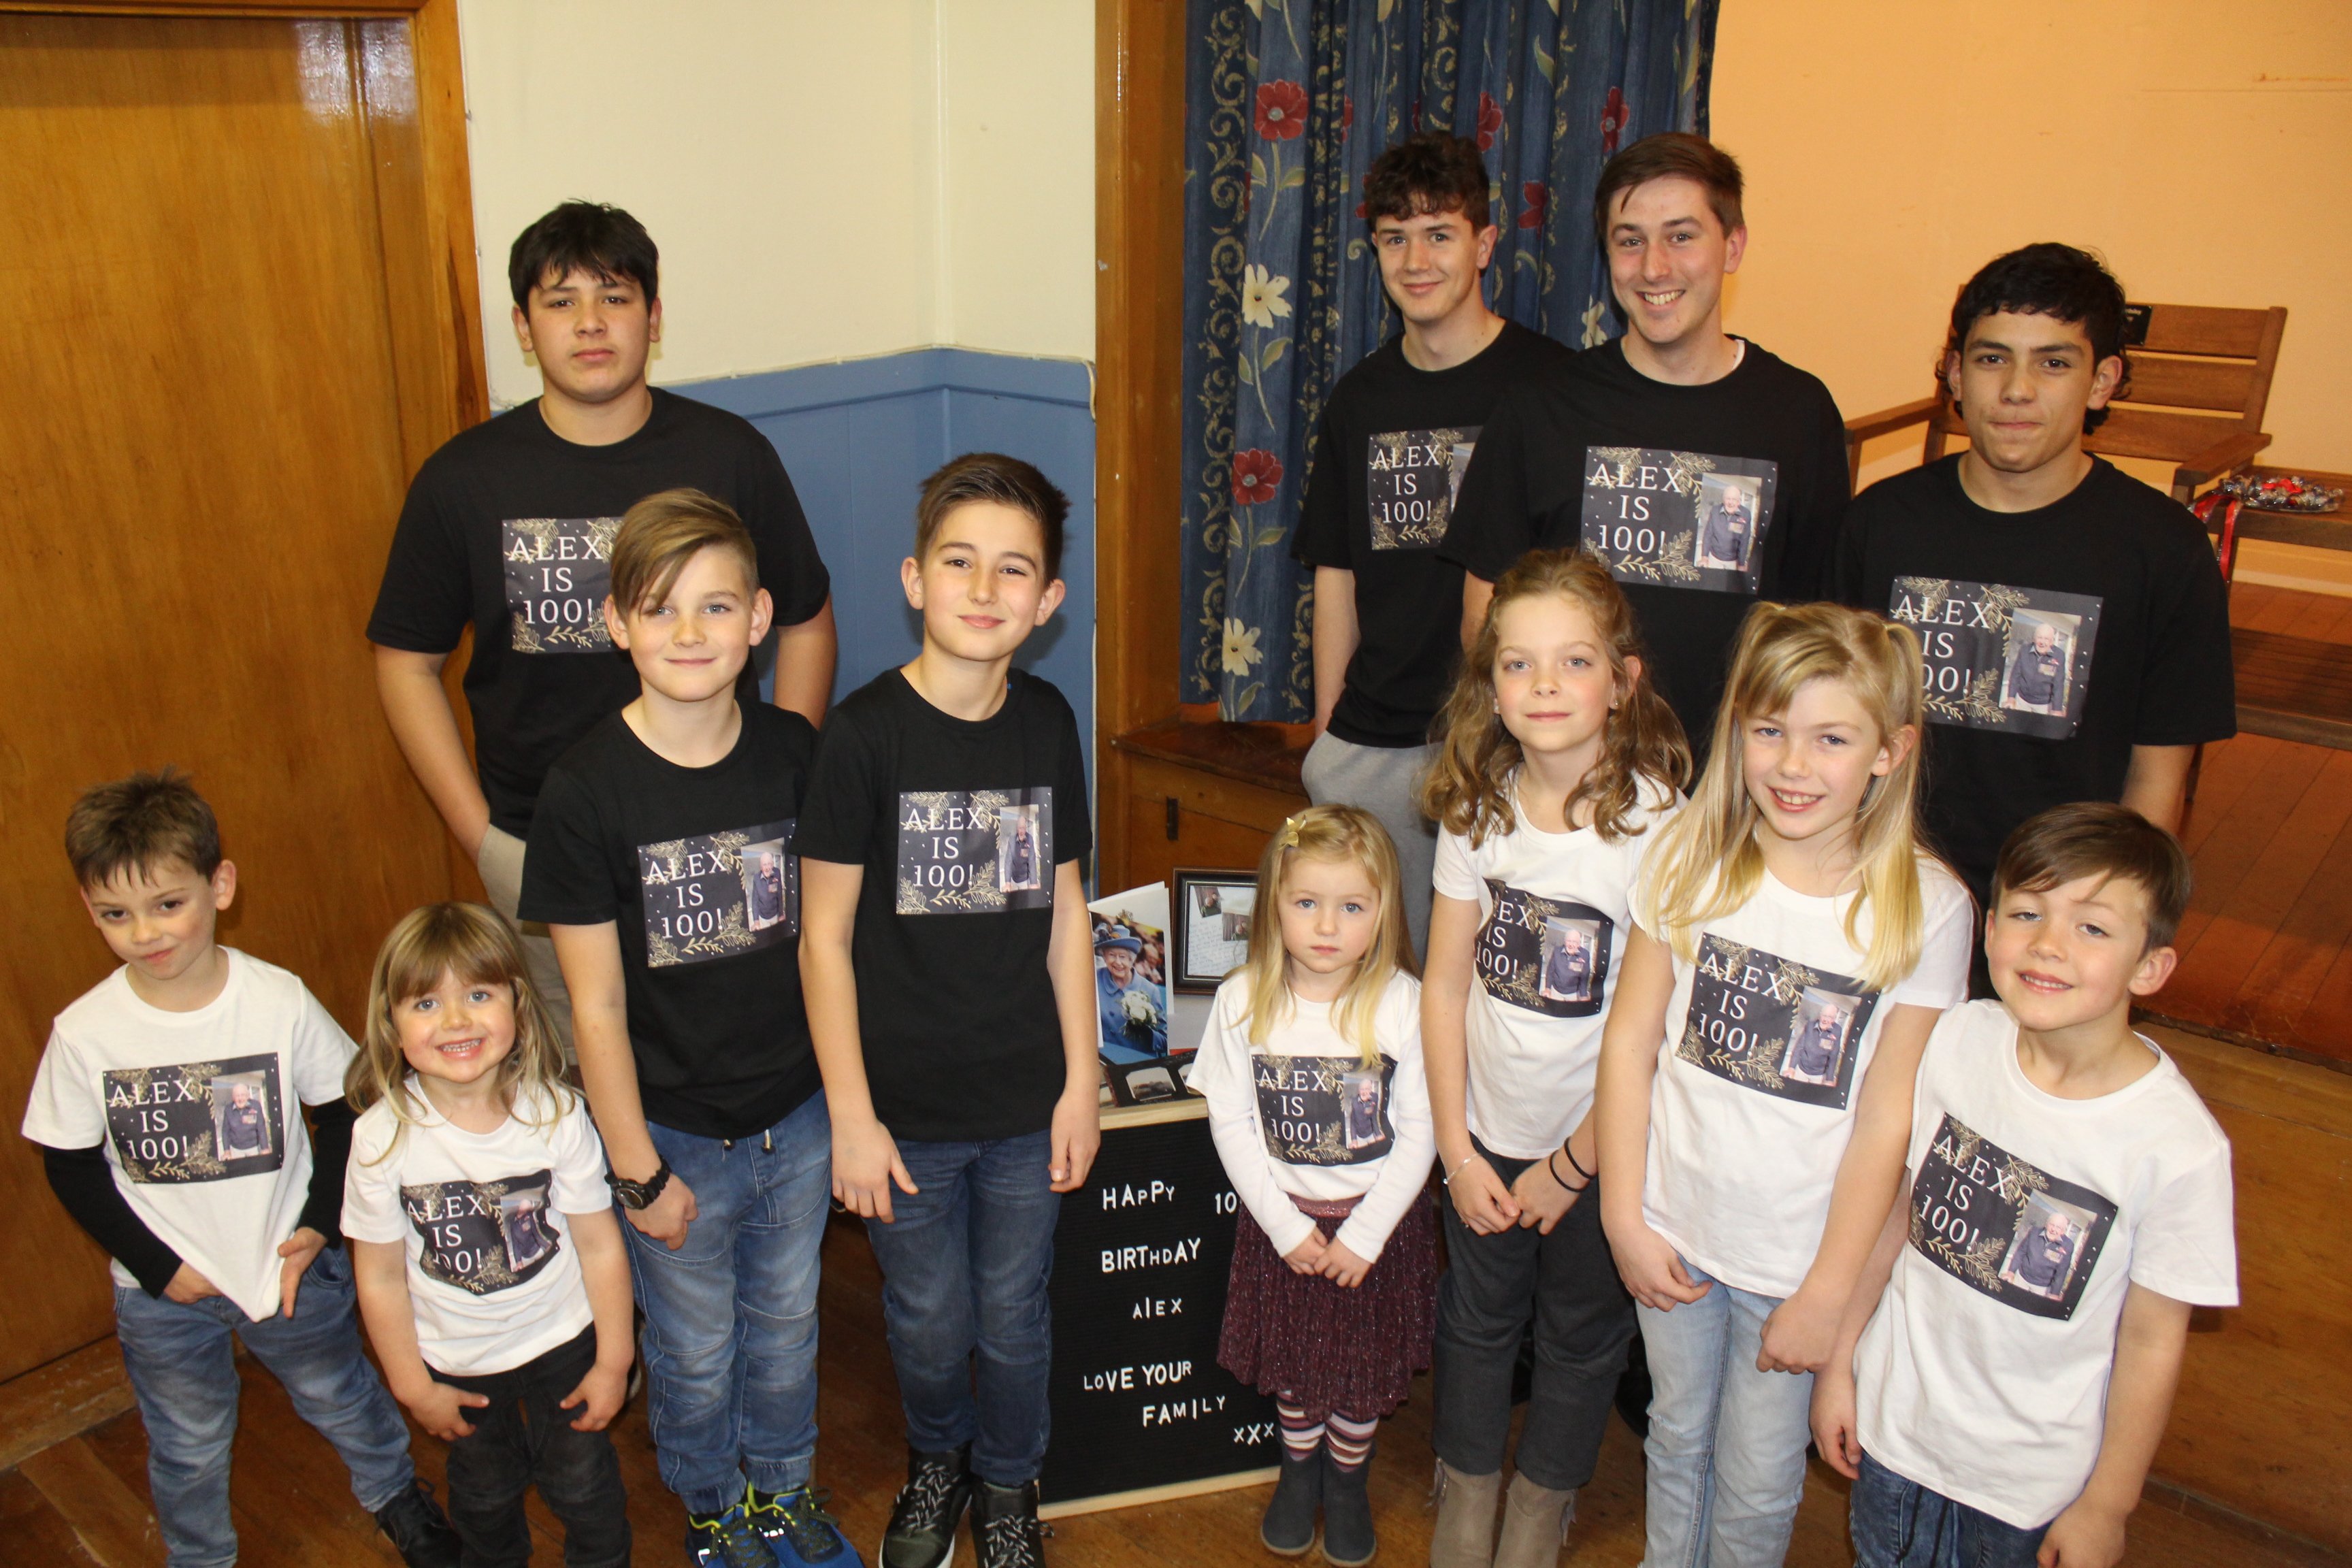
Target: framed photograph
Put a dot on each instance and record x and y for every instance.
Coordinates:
(1209, 921)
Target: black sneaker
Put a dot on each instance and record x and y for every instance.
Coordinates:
(418, 1529)
(924, 1514)
(1004, 1527)
(797, 1527)
(727, 1540)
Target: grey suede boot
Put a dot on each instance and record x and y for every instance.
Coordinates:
(1534, 1525)
(1463, 1536)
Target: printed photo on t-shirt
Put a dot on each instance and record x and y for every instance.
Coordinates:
(559, 572)
(484, 1236)
(1547, 955)
(197, 1121)
(981, 851)
(2004, 1226)
(1754, 1017)
(1678, 520)
(1999, 657)
(1410, 480)
(718, 894)
(1323, 1111)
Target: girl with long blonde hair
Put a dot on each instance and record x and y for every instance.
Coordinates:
(1311, 1066)
(1795, 944)
(490, 1269)
(1557, 771)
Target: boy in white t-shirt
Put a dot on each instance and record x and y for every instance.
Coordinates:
(219, 1223)
(2070, 1201)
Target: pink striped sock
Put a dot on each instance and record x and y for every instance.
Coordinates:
(1300, 1437)
(1351, 1439)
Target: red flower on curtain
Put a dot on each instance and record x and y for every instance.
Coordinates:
(1257, 474)
(1347, 113)
(1281, 111)
(1490, 121)
(1535, 200)
(1612, 120)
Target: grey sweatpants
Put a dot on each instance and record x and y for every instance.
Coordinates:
(500, 861)
(1384, 781)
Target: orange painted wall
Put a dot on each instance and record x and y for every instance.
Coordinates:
(1891, 149)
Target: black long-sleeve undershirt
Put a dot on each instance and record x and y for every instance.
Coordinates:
(84, 1183)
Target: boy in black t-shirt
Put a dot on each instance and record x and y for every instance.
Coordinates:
(953, 1007)
(1390, 453)
(653, 841)
(508, 528)
(2074, 622)
(1703, 471)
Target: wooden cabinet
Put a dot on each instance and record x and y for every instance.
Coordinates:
(1199, 793)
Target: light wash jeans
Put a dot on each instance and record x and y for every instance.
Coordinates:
(731, 1316)
(1726, 1444)
(183, 1370)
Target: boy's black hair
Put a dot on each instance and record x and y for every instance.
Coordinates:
(2060, 282)
(1434, 172)
(136, 824)
(2099, 838)
(993, 476)
(602, 241)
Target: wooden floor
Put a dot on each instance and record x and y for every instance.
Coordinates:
(2266, 950)
(84, 1501)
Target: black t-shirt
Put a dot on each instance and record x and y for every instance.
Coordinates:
(1389, 455)
(509, 527)
(2056, 640)
(698, 869)
(959, 825)
(1638, 471)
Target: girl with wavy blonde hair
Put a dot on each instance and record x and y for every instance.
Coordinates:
(1795, 944)
(1311, 1066)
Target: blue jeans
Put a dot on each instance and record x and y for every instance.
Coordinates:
(731, 1316)
(1901, 1524)
(184, 1371)
(1727, 1443)
(524, 1437)
(964, 1265)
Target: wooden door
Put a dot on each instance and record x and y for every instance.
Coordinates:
(240, 265)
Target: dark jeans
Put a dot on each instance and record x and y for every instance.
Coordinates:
(522, 1438)
(964, 1265)
(1567, 1283)
(1901, 1524)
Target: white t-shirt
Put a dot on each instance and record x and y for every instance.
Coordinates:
(200, 1113)
(492, 1276)
(1767, 1037)
(1552, 909)
(1302, 1114)
(1984, 1373)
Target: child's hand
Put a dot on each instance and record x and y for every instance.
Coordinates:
(864, 1162)
(1307, 1258)
(665, 1218)
(2086, 1536)
(188, 1286)
(1484, 1204)
(1835, 1433)
(1076, 1135)
(299, 1250)
(1543, 1200)
(439, 1408)
(1651, 1268)
(1342, 1266)
(1800, 1335)
(599, 1396)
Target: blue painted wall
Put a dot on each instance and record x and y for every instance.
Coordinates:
(860, 436)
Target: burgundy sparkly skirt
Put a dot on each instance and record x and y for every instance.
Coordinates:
(1309, 1342)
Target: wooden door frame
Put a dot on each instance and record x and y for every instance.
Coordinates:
(1138, 412)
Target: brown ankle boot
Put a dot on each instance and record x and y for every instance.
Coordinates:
(1534, 1525)
(1463, 1536)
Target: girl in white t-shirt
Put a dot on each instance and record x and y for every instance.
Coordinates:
(491, 1271)
(1311, 1066)
(1795, 945)
(1558, 768)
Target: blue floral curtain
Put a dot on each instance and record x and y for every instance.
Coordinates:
(1289, 102)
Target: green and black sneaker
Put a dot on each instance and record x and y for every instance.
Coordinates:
(727, 1540)
(797, 1527)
